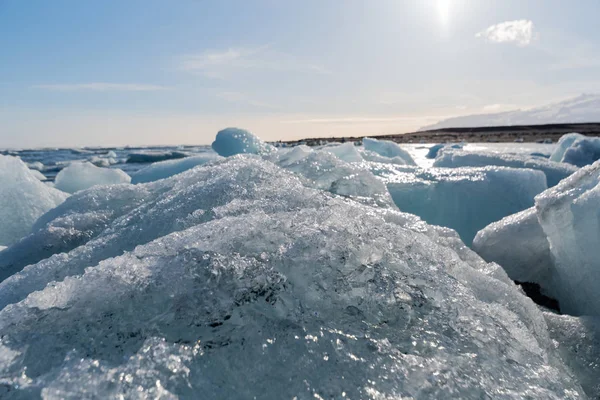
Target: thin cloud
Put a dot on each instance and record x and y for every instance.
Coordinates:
(223, 63)
(238, 97)
(100, 87)
(519, 32)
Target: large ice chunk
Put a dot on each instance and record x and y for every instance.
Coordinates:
(345, 152)
(326, 171)
(165, 169)
(235, 268)
(570, 217)
(563, 144)
(464, 199)
(583, 152)
(577, 149)
(231, 141)
(519, 244)
(388, 149)
(435, 149)
(83, 175)
(455, 158)
(23, 198)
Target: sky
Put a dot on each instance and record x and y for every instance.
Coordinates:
(152, 72)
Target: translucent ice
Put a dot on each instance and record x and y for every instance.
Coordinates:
(387, 149)
(563, 144)
(519, 244)
(554, 171)
(345, 152)
(165, 169)
(83, 175)
(464, 199)
(23, 198)
(233, 270)
(583, 152)
(231, 141)
(568, 215)
(577, 340)
(435, 149)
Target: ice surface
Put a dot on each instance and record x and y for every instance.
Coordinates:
(464, 199)
(563, 144)
(345, 152)
(154, 156)
(231, 141)
(83, 175)
(570, 217)
(577, 149)
(38, 174)
(38, 166)
(435, 149)
(374, 157)
(326, 171)
(583, 152)
(519, 244)
(102, 161)
(23, 198)
(165, 169)
(577, 340)
(455, 158)
(237, 280)
(387, 149)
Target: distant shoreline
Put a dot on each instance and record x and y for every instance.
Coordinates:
(516, 133)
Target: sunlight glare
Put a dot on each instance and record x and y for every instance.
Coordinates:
(443, 9)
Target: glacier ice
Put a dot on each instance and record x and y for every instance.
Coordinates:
(326, 171)
(224, 275)
(23, 198)
(464, 199)
(519, 244)
(345, 152)
(165, 169)
(577, 149)
(577, 340)
(102, 161)
(387, 149)
(38, 166)
(38, 174)
(554, 171)
(83, 175)
(583, 152)
(231, 141)
(435, 149)
(568, 217)
(563, 144)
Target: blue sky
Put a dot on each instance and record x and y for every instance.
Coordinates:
(174, 72)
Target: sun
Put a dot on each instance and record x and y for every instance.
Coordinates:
(443, 9)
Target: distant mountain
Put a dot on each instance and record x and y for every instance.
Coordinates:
(584, 108)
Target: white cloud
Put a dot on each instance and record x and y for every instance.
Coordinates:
(100, 87)
(520, 32)
(222, 63)
(498, 107)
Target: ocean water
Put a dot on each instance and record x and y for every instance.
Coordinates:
(55, 159)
